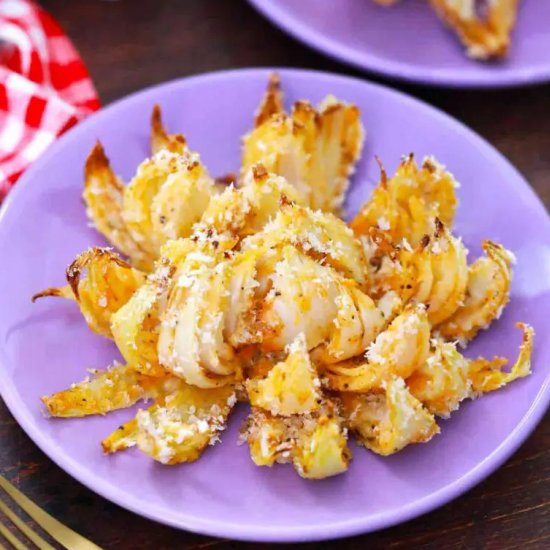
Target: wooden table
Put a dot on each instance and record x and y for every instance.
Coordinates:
(130, 44)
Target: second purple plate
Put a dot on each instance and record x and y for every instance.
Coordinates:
(46, 346)
(409, 42)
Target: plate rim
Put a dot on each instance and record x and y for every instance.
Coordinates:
(308, 532)
(393, 69)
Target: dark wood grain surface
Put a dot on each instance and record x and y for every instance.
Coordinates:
(130, 44)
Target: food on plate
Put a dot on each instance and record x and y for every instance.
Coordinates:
(103, 195)
(407, 205)
(161, 139)
(484, 31)
(163, 201)
(315, 442)
(399, 350)
(387, 421)
(109, 282)
(118, 387)
(434, 273)
(290, 387)
(487, 293)
(181, 423)
(257, 291)
(315, 234)
(487, 375)
(484, 37)
(314, 149)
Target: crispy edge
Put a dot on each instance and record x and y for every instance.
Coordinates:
(272, 101)
(160, 138)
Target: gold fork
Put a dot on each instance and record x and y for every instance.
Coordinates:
(59, 532)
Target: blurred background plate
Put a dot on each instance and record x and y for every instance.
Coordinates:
(409, 42)
(46, 346)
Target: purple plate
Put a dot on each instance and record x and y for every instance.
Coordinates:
(46, 346)
(409, 42)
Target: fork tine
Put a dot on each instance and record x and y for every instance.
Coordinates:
(61, 533)
(6, 533)
(25, 529)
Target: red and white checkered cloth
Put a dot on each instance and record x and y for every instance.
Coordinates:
(44, 87)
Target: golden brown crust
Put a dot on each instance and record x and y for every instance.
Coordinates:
(484, 38)
(103, 195)
(160, 138)
(82, 261)
(62, 292)
(226, 179)
(272, 102)
(97, 162)
(259, 172)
